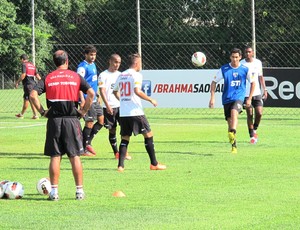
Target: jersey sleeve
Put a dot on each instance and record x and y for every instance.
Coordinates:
(23, 68)
(138, 79)
(102, 80)
(219, 76)
(81, 71)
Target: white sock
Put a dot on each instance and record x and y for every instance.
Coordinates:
(79, 189)
(54, 189)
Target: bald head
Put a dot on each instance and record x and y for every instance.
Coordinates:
(60, 57)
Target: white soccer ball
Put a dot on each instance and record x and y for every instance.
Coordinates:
(14, 190)
(198, 59)
(43, 186)
(3, 185)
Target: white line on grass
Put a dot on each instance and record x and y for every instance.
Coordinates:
(22, 126)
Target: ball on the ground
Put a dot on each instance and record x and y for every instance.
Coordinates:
(3, 185)
(198, 59)
(14, 190)
(43, 186)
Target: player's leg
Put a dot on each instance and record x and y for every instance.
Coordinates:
(34, 111)
(99, 123)
(54, 172)
(122, 152)
(78, 176)
(24, 107)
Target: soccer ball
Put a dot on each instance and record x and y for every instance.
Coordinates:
(43, 186)
(3, 185)
(198, 59)
(14, 190)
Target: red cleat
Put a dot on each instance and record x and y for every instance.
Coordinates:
(91, 149)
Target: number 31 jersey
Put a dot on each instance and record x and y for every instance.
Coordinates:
(130, 103)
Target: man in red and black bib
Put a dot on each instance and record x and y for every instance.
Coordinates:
(64, 135)
(29, 73)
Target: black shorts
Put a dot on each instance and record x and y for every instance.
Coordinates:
(111, 120)
(94, 112)
(237, 105)
(136, 125)
(27, 89)
(63, 135)
(256, 101)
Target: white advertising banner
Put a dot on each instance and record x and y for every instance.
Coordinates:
(181, 88)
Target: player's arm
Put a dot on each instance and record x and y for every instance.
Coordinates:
(38, 76)
(22, 76)
(212, 94)
(88, 101)
(263, 86)
(81, 98)
(34, 98)
(102, 91)
(249, 99)
(142, 95)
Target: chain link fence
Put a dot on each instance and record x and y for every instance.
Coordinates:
(170, 31)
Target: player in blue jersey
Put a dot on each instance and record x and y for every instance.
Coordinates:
(235, 76)
(87, 69)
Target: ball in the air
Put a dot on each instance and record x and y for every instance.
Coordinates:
(198, 59)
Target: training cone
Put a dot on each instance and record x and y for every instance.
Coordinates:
(118, 194)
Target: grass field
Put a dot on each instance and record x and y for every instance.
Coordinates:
(204, 186)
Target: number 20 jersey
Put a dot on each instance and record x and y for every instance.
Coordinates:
(130, 103)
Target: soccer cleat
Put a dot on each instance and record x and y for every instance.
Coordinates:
(87, 154)
(127, 157)
(80, 195)
(91, 149)
(19, 115)
(35, 117)
(120, 169)
(158, 167)
(53, 197)
(231, 137)
(234, 150)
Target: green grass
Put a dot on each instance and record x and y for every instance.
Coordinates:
(204, 186)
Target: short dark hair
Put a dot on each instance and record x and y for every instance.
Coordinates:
(90, 49)
(60, 57)
(132, 58)
(248, 46)
(24, 57)
(236, 50)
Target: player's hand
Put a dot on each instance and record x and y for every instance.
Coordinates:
(248, 102)
(16, 85)
(109, 110)
(153, 102)
(211, 104)
(265, 96)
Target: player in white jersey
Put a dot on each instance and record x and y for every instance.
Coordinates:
(107, 80)
(132, 118)
(260, 93)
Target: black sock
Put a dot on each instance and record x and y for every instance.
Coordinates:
(96, 128)
(150, 150)
(251, 132)
(122, 152)
(113, 142)
(86, 132)
(255, 126)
